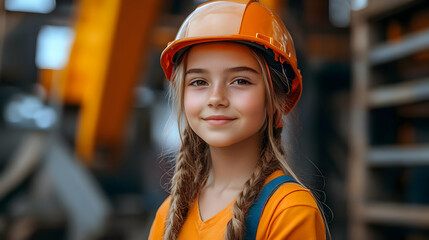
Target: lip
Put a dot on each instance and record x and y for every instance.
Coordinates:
(218, 120)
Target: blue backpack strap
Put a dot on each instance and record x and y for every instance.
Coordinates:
(255, 211)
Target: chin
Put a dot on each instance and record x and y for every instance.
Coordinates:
(226, 137)
(218, 142)
(224, 141)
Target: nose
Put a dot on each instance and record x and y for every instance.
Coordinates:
(218, 96)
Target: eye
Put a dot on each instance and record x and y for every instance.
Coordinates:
(198, 83)
(241, 81)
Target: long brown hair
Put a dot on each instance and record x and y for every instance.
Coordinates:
(193, 160)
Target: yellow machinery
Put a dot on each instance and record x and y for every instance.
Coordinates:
(105, 62)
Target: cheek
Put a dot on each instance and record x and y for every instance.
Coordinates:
(191, 103)
(253, 105)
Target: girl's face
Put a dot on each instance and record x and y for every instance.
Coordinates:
(224, 93)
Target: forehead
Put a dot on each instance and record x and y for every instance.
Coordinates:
(221, 55)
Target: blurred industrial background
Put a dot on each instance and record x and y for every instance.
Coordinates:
(85, 135)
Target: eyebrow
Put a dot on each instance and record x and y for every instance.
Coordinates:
(242, 69)
(196, 70)
(234, 69)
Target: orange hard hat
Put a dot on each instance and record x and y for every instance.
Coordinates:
(244, 21)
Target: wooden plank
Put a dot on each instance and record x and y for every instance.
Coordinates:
(399, 156)
(398, 214)
(410, 44)
(398, 94)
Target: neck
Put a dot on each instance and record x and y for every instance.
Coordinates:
(233, 165)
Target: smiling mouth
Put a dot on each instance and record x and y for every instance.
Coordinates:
(218, 120)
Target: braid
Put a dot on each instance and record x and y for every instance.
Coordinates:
(181, 192)
(192, 164)
(235, 228)
(190, 173)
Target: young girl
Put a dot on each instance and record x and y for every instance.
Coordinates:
(234, 74)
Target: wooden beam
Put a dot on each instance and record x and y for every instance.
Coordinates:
(416, 155)
(408, 45)
(399, 94)
(358, 140)
(398, 214)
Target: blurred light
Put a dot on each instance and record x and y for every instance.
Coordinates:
(53, 47)
(12, 115)
(339, 12)
(359, 4)
(28, 107)
(28, 111)
(44, 118)
(34, 6)
(164, 130)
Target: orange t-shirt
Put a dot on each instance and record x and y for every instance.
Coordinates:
(291, 213)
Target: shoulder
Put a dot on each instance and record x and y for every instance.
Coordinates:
(291, 195)
(291, 212)
(293, 200)
(163, 209)
(158, 225)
